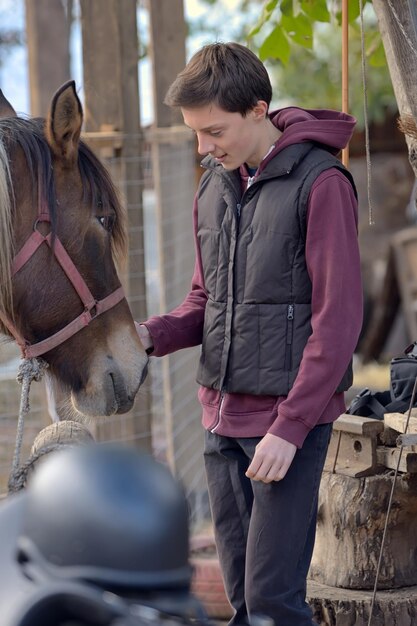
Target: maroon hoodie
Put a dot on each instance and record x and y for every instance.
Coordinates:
(333, 265)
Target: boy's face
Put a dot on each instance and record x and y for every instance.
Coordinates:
(228, 137)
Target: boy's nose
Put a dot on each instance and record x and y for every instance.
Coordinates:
(205, 146)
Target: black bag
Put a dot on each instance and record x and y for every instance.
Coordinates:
(403, 374)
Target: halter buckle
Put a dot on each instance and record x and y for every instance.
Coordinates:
(42, 217)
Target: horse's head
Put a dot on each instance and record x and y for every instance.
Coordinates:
(52, 184)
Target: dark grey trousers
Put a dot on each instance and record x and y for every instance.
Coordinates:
(265, 532)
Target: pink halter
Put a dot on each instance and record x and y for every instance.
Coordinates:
(92, 307)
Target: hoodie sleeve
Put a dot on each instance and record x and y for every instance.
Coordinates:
(182, 327)
(333, 264)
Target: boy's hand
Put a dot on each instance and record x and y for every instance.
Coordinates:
(273, 457)
(144, 336)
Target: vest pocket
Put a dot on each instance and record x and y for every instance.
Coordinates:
(289, 335)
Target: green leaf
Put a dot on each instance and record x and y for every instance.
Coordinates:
(286, 7)
(316, 9)
(354, 11)
(267, 11)
(275, 46)
(299, 29)
(377, 57)
(353, 7)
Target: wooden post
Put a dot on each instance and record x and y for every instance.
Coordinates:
(47, 31)
(168, 35)
(173, 156)
(110, 64)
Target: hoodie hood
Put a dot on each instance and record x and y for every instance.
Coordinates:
(331, 129)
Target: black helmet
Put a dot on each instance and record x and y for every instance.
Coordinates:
(107, 514)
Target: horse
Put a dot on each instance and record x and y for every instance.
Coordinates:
(63, 231)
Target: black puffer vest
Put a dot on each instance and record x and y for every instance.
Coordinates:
(257, 319)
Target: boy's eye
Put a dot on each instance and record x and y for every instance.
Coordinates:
(216, 133)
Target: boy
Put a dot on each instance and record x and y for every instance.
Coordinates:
(276, 302)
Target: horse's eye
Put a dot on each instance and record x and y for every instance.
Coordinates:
(107, 221)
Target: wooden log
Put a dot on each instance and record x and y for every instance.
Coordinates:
(333, 606)
(389, 457)
(399, 423)
(351, 519)
(407, 440)
(388, 437)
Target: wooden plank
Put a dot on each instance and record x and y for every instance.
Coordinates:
(355, 424)
(398, 421)
(389, 458)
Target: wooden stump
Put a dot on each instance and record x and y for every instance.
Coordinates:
(347, 607)
(350, 525)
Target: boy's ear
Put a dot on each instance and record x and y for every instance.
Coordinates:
(260, 110)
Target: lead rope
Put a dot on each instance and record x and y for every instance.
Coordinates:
(29, 370)
(394, 480)
(19, 478)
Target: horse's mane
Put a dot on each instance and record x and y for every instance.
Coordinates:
(6, 238)
(97, 187)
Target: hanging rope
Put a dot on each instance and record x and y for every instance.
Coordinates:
(29, 370)
(365, 119)
(394, 480)
(19, 477)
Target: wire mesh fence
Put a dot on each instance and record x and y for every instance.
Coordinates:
(157, 185)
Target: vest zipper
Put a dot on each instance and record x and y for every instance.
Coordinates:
(219, 416)
(223, 390)
(290, 321)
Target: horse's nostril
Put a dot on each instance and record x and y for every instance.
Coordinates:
(144, 374)
(121, 397)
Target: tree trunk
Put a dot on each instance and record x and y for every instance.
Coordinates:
(398, 27)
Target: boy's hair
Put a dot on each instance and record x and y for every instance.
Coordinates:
(227, 74)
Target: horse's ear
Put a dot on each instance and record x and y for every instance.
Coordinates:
(63, 126)
(6, 109)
